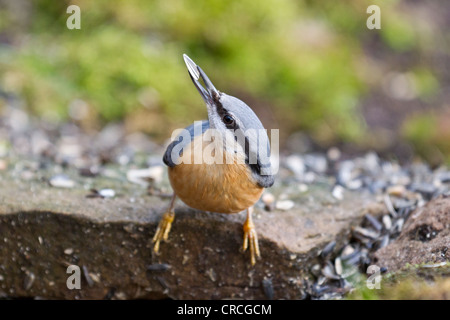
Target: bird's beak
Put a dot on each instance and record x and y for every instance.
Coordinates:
(209, 93)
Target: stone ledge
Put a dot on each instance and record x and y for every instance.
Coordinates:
(45, 229)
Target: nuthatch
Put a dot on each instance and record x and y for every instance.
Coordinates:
(229, 186)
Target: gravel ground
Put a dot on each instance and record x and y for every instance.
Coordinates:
(402, 189)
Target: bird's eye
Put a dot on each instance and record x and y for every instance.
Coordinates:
(227, 119)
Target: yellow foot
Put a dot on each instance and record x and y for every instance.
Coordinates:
(162, 232)
(251, 237)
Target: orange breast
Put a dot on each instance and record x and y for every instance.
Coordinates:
(224, 188)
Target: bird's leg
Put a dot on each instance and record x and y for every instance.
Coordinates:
(162, 232)
(251, 237)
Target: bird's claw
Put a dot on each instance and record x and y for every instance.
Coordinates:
(164, 226)
(251, 237)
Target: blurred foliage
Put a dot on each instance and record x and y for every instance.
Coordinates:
(430, 133)
(302, 59)
(413, 282)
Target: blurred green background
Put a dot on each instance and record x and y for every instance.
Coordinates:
(309, 66)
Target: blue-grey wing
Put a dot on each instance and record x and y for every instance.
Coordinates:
(262, 169)
(182, 140)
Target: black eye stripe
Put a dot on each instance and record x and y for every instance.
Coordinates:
(224, 112)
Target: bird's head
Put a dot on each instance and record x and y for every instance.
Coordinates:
(229, 115)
